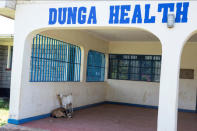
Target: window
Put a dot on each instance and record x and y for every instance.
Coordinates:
(95, 66)
(135, 67)
(54, 60)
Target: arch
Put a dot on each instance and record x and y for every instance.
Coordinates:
(143, 28)
(83, 73)
(45, 29)
(187, 80)
(188, 36)
(85, 88)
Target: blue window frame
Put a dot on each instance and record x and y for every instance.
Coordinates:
(54, 60)
(135, 67)
(95, 66)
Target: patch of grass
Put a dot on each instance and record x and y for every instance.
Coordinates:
(4, 103)
(4, 111)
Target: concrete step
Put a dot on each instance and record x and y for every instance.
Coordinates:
(11, 127)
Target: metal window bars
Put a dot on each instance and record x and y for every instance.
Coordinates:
(135, 67)
(95, 66)
(53, 60)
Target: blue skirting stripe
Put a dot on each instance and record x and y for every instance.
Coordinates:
(21, 121)
(145, 106)
(186, 110)
(130, 104)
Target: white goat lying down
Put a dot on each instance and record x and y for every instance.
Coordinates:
(65, 109)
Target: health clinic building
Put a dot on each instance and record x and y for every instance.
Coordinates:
(140, 53)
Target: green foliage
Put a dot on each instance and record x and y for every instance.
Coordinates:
(4, 104)
(4, 111)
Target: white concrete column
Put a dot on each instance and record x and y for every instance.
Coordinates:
(169, 84)
(9, 57)
(20, 53)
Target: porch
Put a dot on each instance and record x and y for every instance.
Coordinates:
(112, 117)
(140, 48)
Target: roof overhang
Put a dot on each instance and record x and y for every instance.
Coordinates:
(7, 8)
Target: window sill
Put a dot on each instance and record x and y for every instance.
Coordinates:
(95, 81)
(136, 80)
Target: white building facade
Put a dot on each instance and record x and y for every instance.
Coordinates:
(113, 28)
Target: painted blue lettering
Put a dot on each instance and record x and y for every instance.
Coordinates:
(62, 15)
(165, 8)
(182, 13)
(52, 16)
(81, 15)
(124, 14)
(114, 14)
(147, 18)
(137, 16)
(92, 16)
(72, 12)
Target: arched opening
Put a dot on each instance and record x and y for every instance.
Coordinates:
(131, 85)
(187, 118)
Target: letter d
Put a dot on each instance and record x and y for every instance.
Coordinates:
(52, 16)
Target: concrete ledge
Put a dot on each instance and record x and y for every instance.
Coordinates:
(21, 121)
(11, 127)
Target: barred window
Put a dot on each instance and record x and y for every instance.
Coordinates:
(135, 67)
(54, 60)
(95, 66)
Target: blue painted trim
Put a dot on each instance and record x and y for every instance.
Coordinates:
(186, 110)
(130, 104)
(21, 121)
(145, 106)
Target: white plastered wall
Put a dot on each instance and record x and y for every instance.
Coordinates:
(147, 93)
(41, 98)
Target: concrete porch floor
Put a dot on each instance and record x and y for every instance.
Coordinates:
(109, 117)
